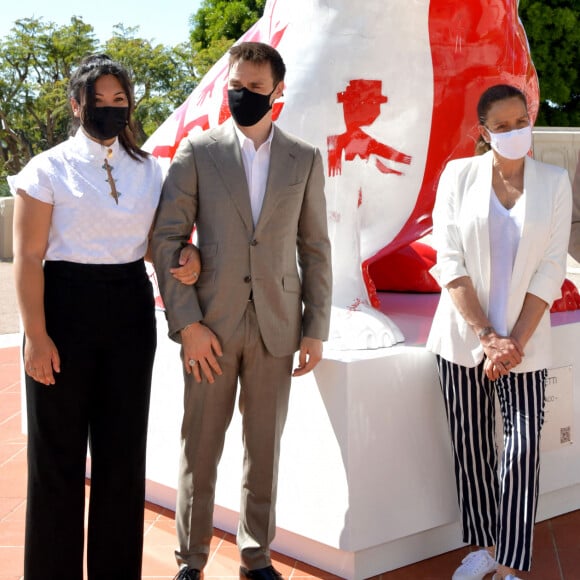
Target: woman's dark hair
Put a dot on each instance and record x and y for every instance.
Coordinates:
(81, 88)
(489, 97)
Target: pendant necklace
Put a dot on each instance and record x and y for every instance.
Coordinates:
(110, 179)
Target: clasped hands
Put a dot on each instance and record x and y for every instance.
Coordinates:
(502, 353)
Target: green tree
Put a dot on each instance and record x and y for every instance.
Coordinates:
(553, 30)
(217, 25)
(35, 63)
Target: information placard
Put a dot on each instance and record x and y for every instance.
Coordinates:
(558, 429)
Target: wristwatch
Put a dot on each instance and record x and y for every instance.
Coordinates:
(485, 331)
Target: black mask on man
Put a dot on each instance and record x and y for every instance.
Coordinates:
(104, 123)
(247, 107)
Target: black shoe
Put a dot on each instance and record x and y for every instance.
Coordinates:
(187, 573)
(267, 573)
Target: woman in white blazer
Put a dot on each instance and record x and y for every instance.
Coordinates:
(501, 225)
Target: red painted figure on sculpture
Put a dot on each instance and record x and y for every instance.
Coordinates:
(361, 102)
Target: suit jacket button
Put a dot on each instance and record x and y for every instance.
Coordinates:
(248, 279)
(253, 242)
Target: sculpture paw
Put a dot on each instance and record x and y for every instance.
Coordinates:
(362, 328)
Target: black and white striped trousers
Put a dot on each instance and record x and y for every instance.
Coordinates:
(497, 508)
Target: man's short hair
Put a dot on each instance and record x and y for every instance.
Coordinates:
(259, 53)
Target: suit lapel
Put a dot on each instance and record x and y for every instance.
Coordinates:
(226, 154)
(282, 168)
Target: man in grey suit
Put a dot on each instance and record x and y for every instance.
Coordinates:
(256, 197)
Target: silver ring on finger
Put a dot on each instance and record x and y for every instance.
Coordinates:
(191, 362)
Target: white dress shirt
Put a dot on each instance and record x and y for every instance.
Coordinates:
(256, 165)
(87, 225)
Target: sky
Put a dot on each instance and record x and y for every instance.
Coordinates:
(161, 21)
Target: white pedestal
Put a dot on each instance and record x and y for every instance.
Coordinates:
(366, 478)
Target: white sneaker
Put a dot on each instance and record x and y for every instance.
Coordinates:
(475, 566)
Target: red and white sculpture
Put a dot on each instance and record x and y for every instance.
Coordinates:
(387, 90)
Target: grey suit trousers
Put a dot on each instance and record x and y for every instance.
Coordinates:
(263, 401)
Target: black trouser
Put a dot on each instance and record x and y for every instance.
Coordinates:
(102, 321)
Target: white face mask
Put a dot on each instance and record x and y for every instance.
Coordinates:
(514, 144)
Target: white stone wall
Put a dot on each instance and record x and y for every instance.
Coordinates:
(558, 145)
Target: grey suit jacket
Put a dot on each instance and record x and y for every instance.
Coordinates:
(285, 261)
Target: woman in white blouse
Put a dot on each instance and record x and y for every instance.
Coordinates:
(501, 225)
(83, 213)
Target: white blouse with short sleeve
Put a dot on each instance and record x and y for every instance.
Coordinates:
(87, 225)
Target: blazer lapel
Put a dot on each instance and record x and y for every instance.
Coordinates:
(536, 205)
(226, 154)
(482, 191)
(280, 174)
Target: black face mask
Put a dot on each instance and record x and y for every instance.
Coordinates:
(247, 107)
(104, 123)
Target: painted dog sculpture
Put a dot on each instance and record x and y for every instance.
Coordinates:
(387, 90)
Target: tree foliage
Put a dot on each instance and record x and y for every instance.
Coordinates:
(217, 25)
(553, 30)
(36, 62)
